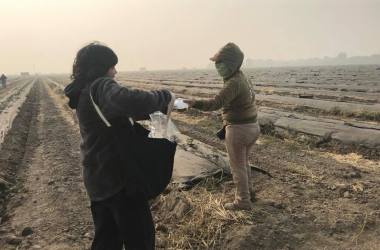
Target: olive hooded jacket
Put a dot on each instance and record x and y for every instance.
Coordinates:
(237, 98)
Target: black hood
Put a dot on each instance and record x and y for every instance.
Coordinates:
(73, 91)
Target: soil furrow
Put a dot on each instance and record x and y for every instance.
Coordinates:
(49, 201)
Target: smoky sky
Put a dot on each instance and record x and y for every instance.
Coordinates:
(44, 35)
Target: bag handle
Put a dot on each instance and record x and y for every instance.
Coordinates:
(104, 119)
(101, 115)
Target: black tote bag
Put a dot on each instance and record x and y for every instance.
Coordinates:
(149, 160)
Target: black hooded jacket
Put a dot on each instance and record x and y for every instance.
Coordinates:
(103, 172)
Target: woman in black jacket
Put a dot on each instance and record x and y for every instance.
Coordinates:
(120, 211)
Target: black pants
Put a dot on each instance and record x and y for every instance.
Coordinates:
(123, 220)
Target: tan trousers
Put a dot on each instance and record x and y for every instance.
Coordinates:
(239, 141)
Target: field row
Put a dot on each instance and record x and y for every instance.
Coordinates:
(12, 99)
(284, 116)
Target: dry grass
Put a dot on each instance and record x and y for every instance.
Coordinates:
(369, 115)
(362, 114)
(206, 220)
(337, 111)
(303, 170)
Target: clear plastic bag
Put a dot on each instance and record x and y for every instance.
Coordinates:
(162, 127)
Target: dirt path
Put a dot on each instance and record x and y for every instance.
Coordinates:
(49, 203)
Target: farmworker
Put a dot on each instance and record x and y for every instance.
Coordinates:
(120, 212)
(3, 80)
(241, 130)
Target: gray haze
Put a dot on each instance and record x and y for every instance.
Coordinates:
(44, 35)
(340, 59)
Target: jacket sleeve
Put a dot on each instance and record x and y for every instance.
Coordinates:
(115, 100)
(225, 96)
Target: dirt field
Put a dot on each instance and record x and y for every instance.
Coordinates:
(40, 166)
(324, 193)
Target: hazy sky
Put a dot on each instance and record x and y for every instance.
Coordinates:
(44, 35)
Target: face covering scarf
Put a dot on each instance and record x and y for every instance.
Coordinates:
(223, 70)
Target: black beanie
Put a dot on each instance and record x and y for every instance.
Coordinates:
(93, 61)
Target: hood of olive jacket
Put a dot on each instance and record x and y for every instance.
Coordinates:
(229, 60)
